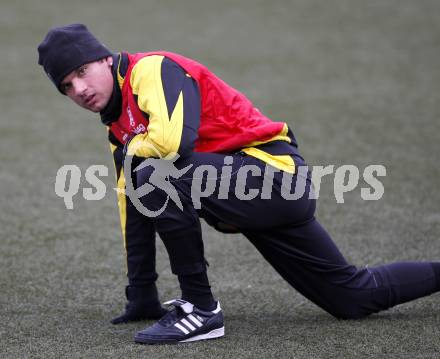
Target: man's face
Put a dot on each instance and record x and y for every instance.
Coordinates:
(91, 85)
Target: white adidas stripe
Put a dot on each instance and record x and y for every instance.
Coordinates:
(182, 328)
(188, 324)
(194, 320)
(185, 326)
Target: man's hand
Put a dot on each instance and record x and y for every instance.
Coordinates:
(143, 303)
(136, 311)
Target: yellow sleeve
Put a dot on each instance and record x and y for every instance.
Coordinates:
(164, 131)
(120, 180)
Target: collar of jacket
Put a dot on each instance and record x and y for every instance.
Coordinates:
(113, 109)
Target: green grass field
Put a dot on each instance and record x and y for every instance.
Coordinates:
(358, 82)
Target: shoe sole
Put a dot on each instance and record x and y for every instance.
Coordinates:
(216, 333)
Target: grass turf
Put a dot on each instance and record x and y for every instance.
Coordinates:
(359, 84)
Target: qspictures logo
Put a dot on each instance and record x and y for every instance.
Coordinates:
(208, 180)
(160, 178)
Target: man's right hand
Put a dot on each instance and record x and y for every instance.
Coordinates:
(135, 312)
(143, 304)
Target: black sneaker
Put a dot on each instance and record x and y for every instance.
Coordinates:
(185, 323)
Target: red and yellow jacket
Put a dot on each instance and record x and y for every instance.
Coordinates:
(173, 104)
(176, 105)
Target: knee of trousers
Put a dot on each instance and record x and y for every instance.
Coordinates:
(352, 303)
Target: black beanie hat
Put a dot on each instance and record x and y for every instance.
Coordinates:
(66, 48)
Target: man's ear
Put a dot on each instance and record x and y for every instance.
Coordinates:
(109, 61)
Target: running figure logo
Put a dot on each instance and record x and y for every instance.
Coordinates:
(163, 170)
